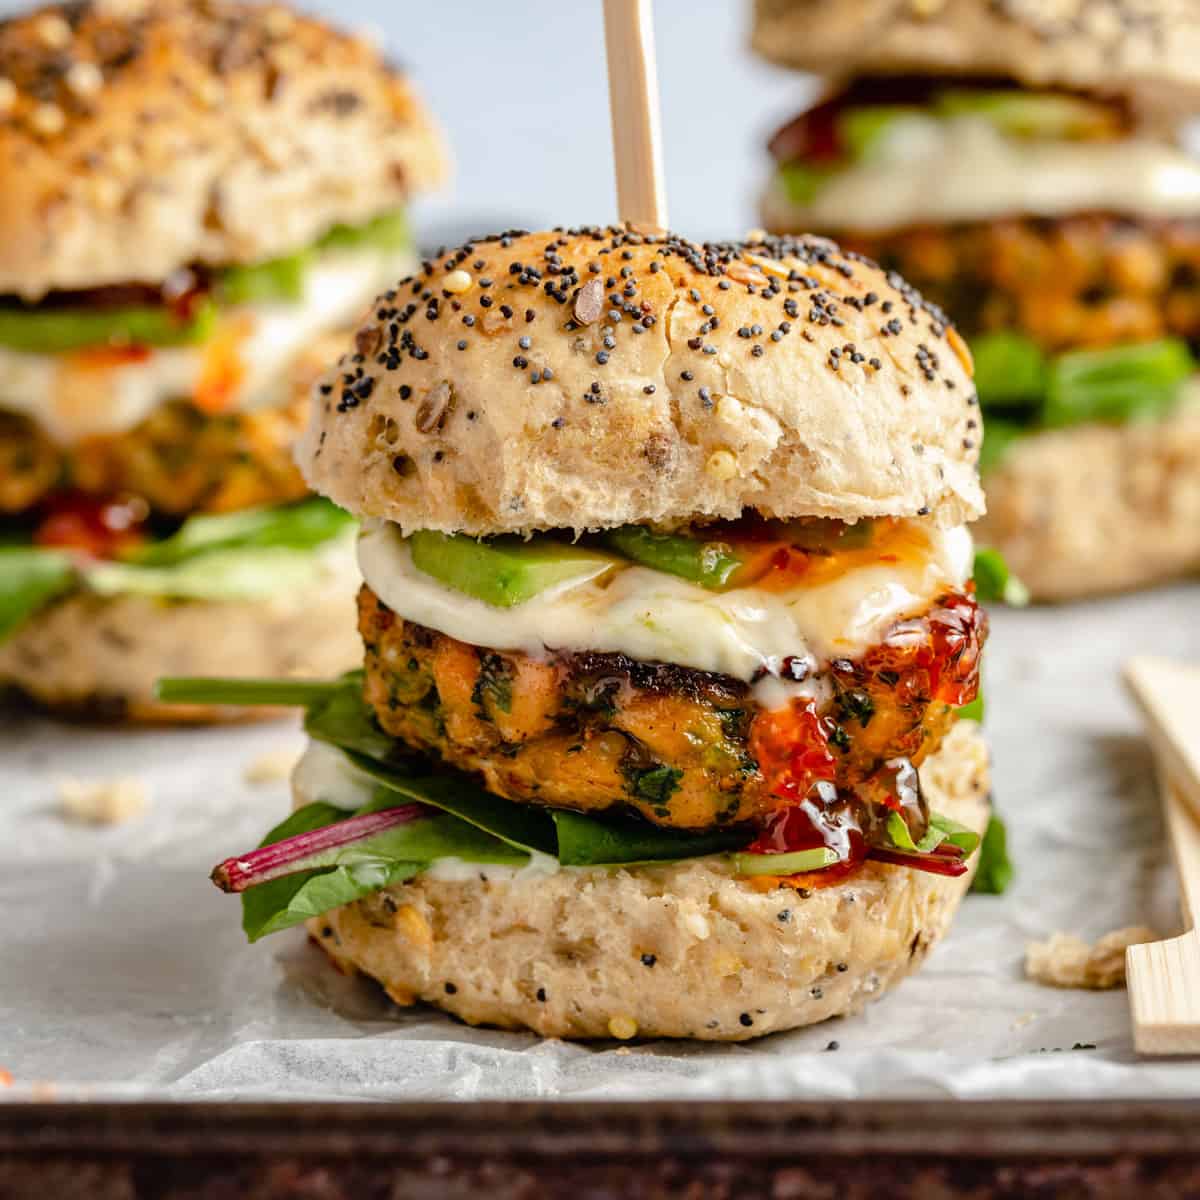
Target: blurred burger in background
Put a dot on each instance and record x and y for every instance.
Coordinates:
(1021, 163)
(198, 196)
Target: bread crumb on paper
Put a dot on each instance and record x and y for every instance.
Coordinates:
(1067, 961)
(271, 766)
(102, 802)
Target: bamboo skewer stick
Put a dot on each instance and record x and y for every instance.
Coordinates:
(1163, 978)
(633, 101)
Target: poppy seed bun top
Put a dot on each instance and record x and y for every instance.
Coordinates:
(1148, 49)
(594, 377)
(140, 136)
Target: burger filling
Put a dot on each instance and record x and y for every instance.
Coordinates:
(1060, 233)
(766, 690)
(146, 431)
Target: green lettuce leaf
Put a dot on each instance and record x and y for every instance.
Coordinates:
(243, 573)
(995, 870)
(30, 577)
(294, 526)
(994, 582)
(1010, 371)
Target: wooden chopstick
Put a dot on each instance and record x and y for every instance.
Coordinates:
(636, 124)
(1163, 978)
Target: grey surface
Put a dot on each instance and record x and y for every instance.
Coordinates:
(520, 89)
(122, 970)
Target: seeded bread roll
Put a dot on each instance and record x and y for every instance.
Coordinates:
(1079, 512)
(686, 950)
(140, 136)
(100, 656)
(1148, 49)
(594, 377)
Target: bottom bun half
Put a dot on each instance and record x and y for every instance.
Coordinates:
(1095, 509)
(682, 951)
(100, 656)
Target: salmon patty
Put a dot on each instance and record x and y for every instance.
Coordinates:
(179, 460)
(1066, 282)
(683, 748)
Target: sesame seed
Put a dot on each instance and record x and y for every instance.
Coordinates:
(721, 465)
(746, 1019)
(84, 79)
(602, 357)
(622, 1027)
(462, 344)
(524, 343)
(53, 31)
(541, 992)
(648, 960)
(458, 282)
(649, 389)
(47, 119)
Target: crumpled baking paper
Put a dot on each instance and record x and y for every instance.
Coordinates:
(124, 973)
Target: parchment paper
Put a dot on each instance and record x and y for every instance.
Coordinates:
(123, 972)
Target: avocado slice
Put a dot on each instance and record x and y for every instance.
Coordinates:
(1036, 115)
(276, 279)
(711, 564)
(860, 130)
(504, 571)
(801, 182)
(55, 331)
(389, 231)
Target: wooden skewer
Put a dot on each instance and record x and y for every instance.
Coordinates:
(633, 101)
(1164, 977)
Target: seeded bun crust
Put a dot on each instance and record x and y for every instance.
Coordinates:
(1080, 512)
(100, 656)
(1148, 49)
(677, 951)
(595, 377)
(140, 136)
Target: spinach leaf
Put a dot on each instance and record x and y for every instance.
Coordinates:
(521, 825)
(585, 841)
(349, 872)
(995, 871)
